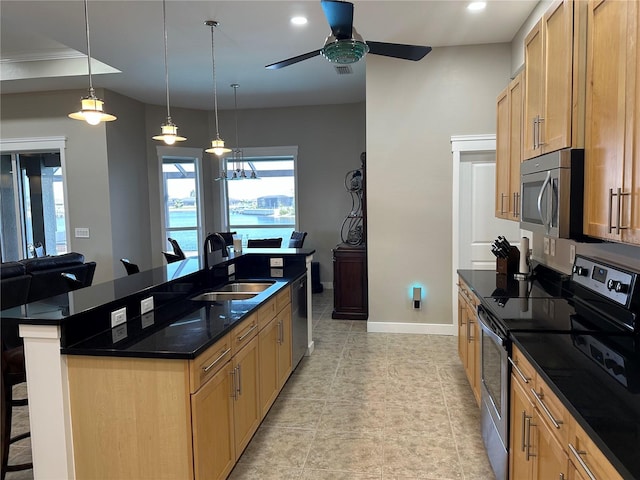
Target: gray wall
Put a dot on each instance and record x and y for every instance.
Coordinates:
(413, 109)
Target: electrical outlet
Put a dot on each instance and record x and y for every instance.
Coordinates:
(146, 305)
(231, 269)
(147, 320)
(277, 272)
(118, 317)
(546, 245)
(572, 254)
(276, 262)
(119, 333)
(82, 232)
(552, 249)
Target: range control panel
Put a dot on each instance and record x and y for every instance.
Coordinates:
(610, 281)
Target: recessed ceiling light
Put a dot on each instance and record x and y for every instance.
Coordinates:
(299, 20)
(476, 6)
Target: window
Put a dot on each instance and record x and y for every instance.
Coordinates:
(181, 187)
(266, 207)
(32, 204)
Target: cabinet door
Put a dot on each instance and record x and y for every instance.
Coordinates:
(350, 299)
(534, 83)
(246, 407)
(212, 423)
(284, 345)
(516, 98)
(521, 415)
(605, 129)
(473, 351)
(502, 155)
(550, 459)
(555, 122)
(268, 340)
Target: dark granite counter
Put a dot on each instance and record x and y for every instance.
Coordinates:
(607, 410)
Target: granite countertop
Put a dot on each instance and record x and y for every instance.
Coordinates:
(607, 410)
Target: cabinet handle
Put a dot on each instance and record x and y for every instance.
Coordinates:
(610, 215)
(210, 366)
(524, 378)
(233, 384)
(279, 339)
(469, 336)
(242, 337)
(561, 477)
(502, 210)
(577, 454)
(620, 195)
(539, 397)
(239, 380)
(516, 212)
(535, 133)
(522, 441)
(528, 424)
(540, 142)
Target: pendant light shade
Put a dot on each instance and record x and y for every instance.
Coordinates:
(217, 145)
(169, 130)
(91, 110)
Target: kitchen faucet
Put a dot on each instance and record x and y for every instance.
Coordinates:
(212, 239)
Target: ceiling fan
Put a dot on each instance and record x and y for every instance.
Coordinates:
(345, 45)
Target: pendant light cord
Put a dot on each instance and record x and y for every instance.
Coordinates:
(86, 23)
(166, 63)
(215, 95)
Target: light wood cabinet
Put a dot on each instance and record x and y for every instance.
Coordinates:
(509, 150)
(546, 442)
(554, 81)
(469, 337)
(187, 419)
(275, 357)
(612, 163)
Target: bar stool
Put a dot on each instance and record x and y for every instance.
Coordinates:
(13, 373)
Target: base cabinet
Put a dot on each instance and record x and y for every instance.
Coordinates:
(469, 337)
(188, 419)
(350, 298)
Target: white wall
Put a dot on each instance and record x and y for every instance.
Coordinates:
(412, 111)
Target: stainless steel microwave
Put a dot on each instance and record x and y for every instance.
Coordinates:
(551, 194)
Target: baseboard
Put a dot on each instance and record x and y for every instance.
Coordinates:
(415, 328)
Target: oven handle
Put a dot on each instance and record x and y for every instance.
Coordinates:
(487, 329)
(545, 184)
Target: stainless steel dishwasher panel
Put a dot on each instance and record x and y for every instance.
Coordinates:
(299, 326)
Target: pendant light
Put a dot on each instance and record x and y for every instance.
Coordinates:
(91, 110)
(169, 129)
(217, 145)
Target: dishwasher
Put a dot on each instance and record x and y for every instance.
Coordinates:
(299, 326)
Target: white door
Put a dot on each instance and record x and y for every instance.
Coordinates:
(478, 226)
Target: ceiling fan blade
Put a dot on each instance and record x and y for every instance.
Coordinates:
(339, 16)
(292, 60)
(398, 50)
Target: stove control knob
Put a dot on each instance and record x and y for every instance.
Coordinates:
(580, 271)
(617, 286)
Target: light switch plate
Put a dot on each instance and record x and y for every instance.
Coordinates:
(118, 317)
(82, 232)
(572, 254)
(231, 269)
(546, 245)
(147, 320)
(146, 305)
(119, 333)
(276, 262)
(277, 272)
(552, 247)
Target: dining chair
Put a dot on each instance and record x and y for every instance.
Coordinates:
(297, 239)
(131, 268)
(177, 254)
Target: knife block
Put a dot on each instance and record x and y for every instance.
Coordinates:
(509, 265)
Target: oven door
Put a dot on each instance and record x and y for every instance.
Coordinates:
(541, 202)
(494, 394)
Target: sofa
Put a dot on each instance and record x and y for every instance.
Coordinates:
(33, 279)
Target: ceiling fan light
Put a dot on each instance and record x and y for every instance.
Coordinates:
(344, 51)
(92, 111)
(169, 134)
(217, 147)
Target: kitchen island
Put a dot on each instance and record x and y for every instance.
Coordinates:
(77, 325)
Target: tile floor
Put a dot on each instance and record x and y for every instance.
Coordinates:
(365, 406)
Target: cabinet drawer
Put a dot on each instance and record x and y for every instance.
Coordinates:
(467, 293)
(552, 412)
(283, 298)
(587, 457)
(266, 313)
(243, 333)
(522, 370)
(205, 365)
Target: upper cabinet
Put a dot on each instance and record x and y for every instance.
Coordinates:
(612, 163)
(509, 150)
(554, 81)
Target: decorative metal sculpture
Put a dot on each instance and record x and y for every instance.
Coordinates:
(352, 230)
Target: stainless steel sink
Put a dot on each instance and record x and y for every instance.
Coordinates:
(234, 291)
(213, 296)
(245, 287)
